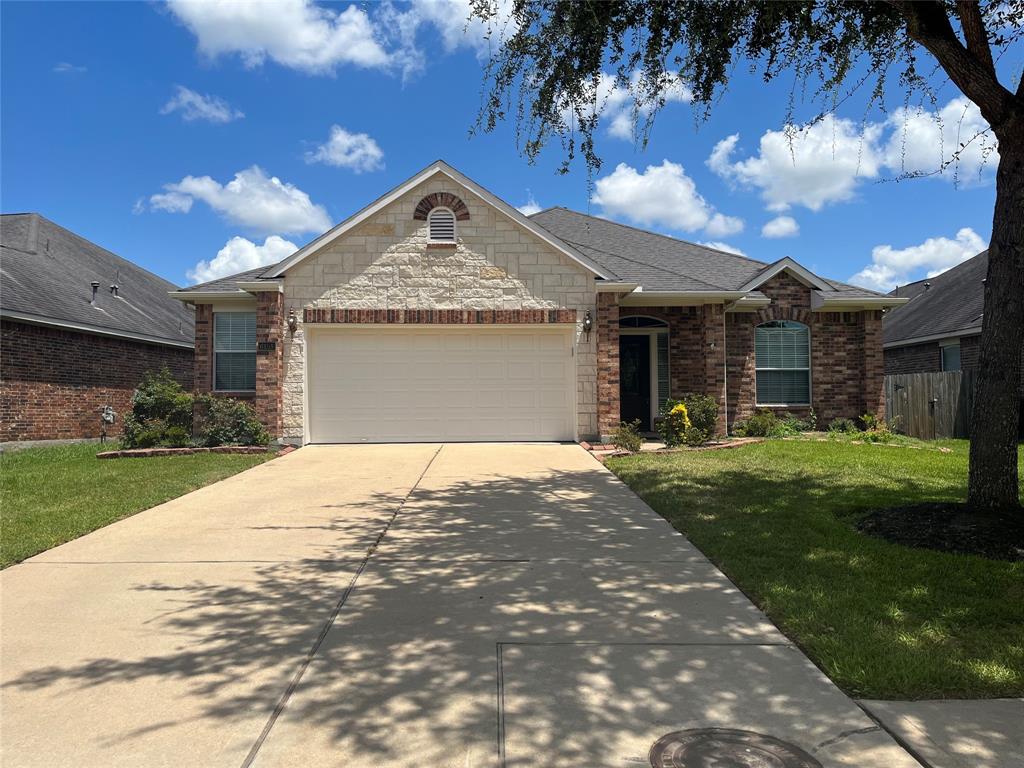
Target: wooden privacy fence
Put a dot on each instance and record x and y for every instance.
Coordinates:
(930, 405)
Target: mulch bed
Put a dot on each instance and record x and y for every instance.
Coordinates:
(949, 527)
(142, 453)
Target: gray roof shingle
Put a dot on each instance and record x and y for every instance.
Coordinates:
(954, 303)
(656, 262)
(46, 271)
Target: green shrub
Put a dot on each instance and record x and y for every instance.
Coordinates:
(627, 437)
(764, 423)
(226, 421)
(161, 413)
(870, 421)
(690, 420)
(694, 437)
(842, 426)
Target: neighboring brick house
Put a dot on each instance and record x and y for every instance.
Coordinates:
(939, 328)
(80, 326)
(440, 312)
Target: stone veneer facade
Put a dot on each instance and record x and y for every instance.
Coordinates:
(387, 262)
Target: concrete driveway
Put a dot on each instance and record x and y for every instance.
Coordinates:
(455, 605)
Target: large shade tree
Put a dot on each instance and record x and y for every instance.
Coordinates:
(547, 75)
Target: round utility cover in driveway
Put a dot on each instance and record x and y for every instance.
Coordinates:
(726, 748)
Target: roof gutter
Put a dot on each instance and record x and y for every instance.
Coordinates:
(931, 337)
(862, 302)
(679, 298)
(192, 296)
(614, 286)
(98, 330)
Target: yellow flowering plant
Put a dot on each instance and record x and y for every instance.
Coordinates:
(689, 421)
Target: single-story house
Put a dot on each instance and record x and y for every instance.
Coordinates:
(80, 326)
(939, 328)
(440, 312)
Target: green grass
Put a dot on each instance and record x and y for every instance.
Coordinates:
(882, 620)
(52, 495)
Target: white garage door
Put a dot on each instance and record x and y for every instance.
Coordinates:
(401, 384)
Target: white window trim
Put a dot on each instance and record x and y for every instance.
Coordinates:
(455, 225)
(810, 375)
(213, 345)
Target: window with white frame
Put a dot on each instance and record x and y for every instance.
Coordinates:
(441, 223)
(234, 351)
(782, 350)
(951, 356)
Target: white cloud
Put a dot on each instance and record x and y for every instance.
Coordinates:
(451, 20)
(623, 106)
(718, 245)
(252, 199)
(812, 166)
(891, 267)
(781, 226)
(294, 33)
(922, 141)
(826, 161)
(531, 206)
(196, 106)
(356, 151)
(64, 68)
(239, 255)
(663, 195)
(139, 207)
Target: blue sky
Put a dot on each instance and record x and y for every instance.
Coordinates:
(199, 139)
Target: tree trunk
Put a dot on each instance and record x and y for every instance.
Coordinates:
(993, 482)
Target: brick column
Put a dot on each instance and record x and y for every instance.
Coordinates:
(203, 362)
(873, 382)
(269, 359)
(713, 353)
(607, 322)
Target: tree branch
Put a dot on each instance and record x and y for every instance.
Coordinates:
(973, 26)
(928, 24)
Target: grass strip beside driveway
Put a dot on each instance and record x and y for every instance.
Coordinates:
(883, 621)
(52, 495)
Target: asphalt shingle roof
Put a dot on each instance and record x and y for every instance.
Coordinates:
(955, 302)
(46, 270)
(656, 262)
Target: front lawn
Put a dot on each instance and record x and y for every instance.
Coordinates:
(882, 620)
(51, 495)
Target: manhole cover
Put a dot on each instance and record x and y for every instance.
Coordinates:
(726, 748)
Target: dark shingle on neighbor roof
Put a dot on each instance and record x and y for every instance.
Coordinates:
(954, 303)
(46, 271)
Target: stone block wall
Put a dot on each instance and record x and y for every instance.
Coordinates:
(387, 262)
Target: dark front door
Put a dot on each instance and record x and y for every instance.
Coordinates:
(635, 380)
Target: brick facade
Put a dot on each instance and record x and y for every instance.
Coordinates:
(269, 359)
(607, 332)
(54, 382)
(847, 370)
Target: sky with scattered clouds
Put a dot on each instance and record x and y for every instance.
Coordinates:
(204, 138)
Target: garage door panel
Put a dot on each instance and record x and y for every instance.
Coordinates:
(405, 385)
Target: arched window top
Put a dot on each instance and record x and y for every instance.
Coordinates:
(791, 324)
(641, 321)
(441, 200)
(441, 223)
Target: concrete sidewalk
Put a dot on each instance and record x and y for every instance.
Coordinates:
(958, 734)
(456, 605)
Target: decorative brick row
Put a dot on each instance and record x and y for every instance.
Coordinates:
(445, 199)
(439, 316)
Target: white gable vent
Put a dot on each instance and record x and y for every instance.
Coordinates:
(442, 225)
